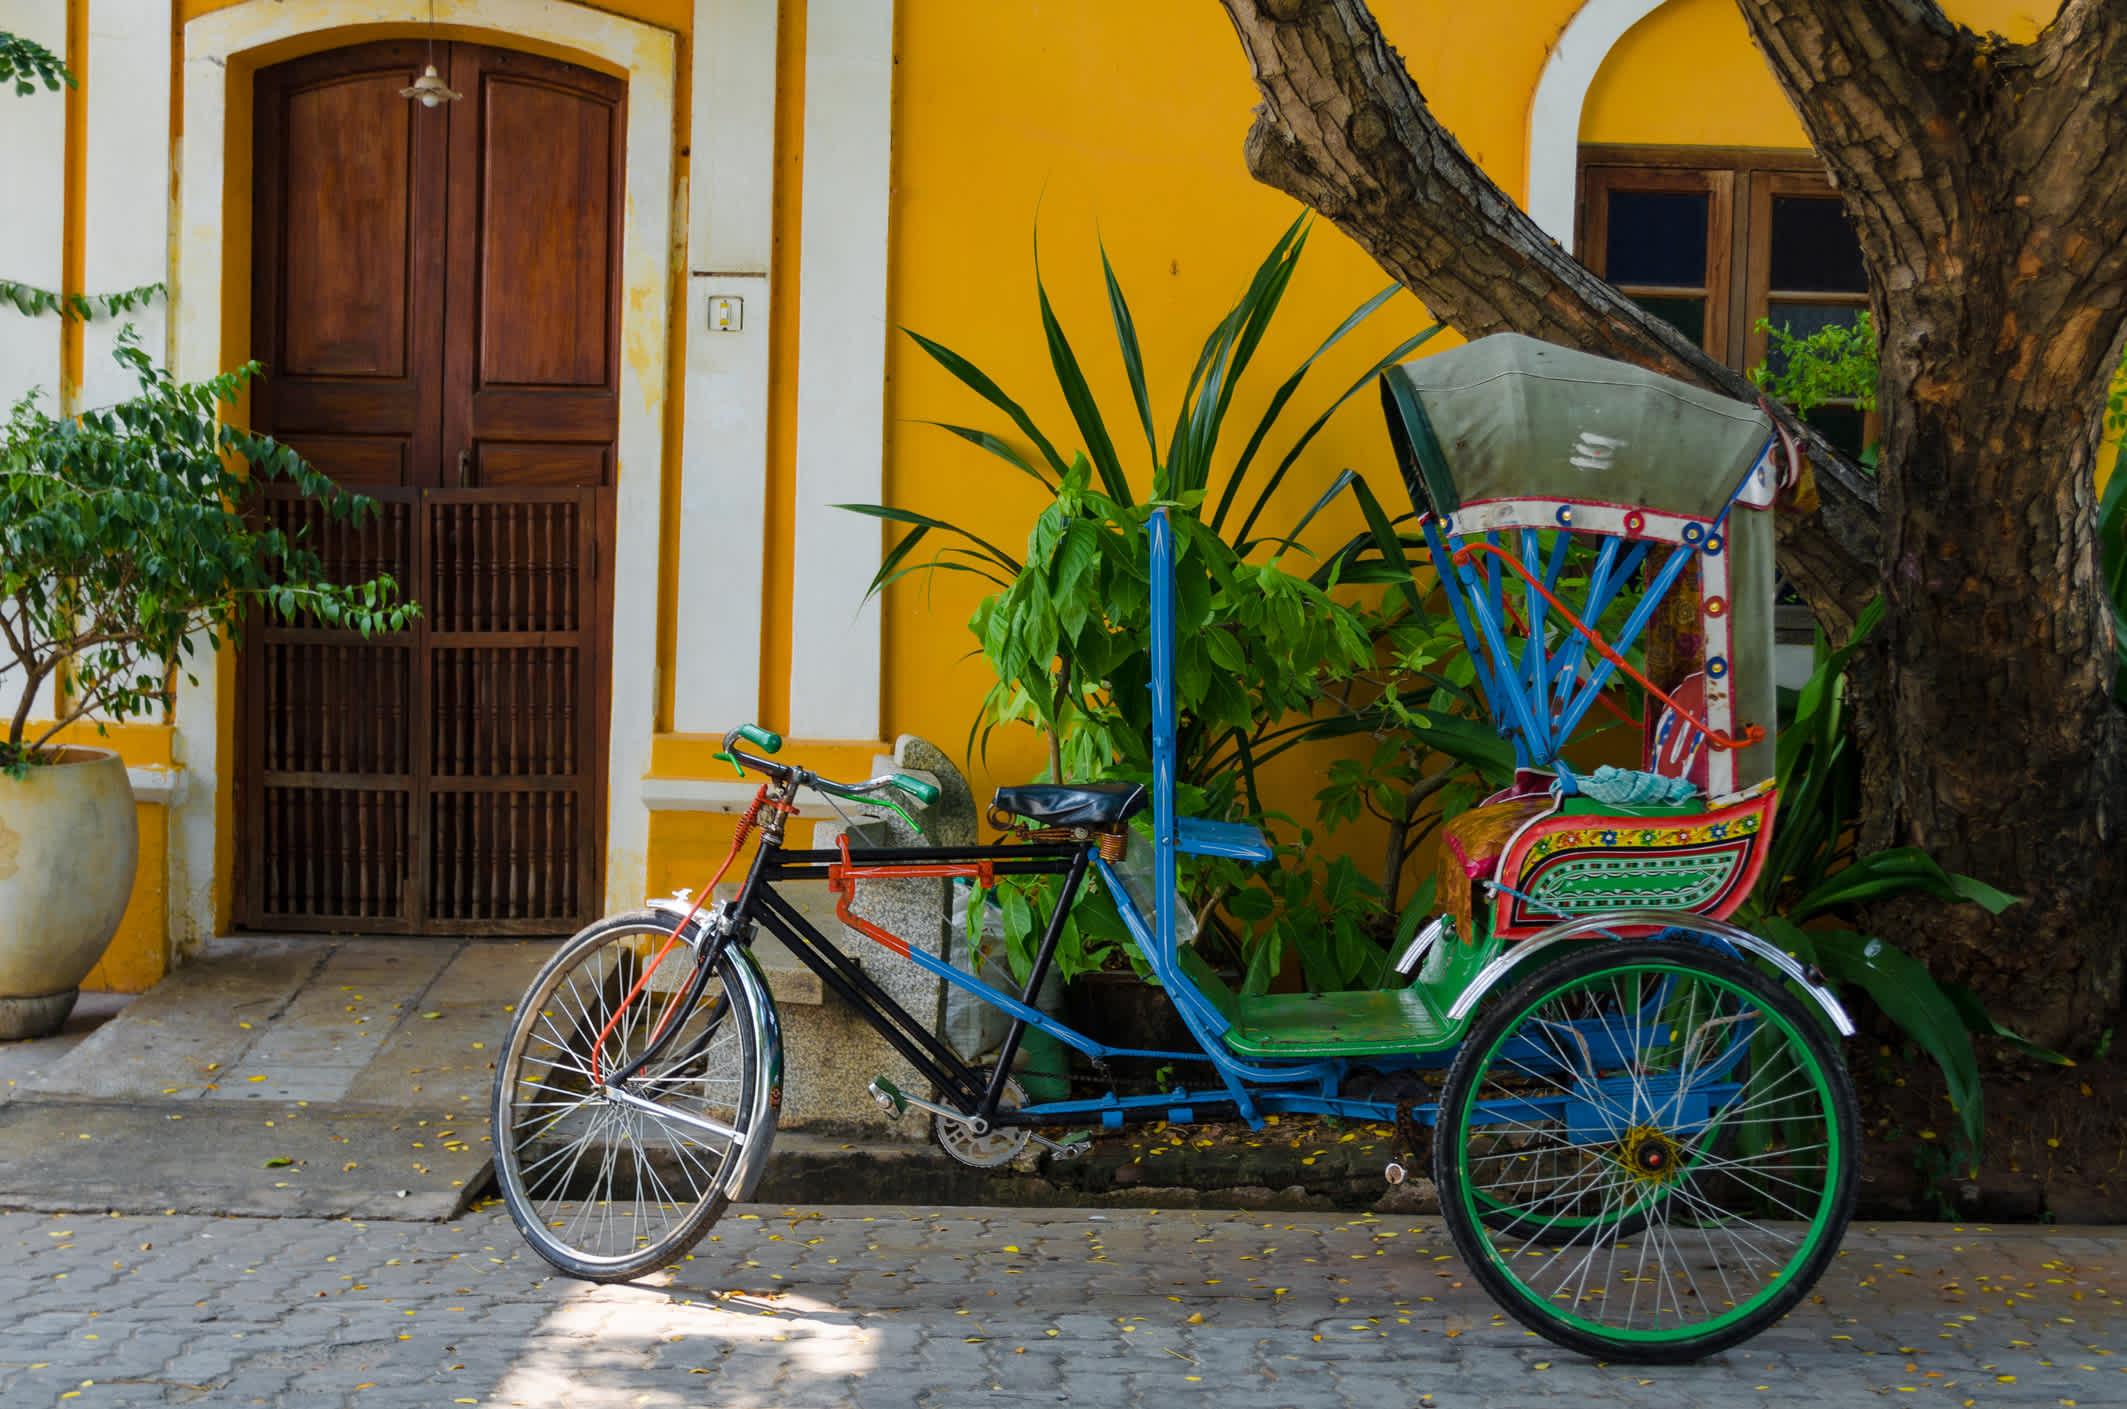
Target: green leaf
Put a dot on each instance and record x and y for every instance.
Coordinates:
(997, 447)
(1385, 540)
(1284, 394)
(978, 382)
(1079, 397)
(881, 511)
(1980, 1021)
(1133, 359)
(1395, 354)
(1911, 998)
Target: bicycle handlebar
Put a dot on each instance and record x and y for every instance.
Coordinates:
(918, 788)
(755, 734)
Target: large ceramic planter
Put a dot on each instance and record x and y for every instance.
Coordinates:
(68, 841)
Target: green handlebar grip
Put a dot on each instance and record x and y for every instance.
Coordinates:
(755, 734)
(916, 788)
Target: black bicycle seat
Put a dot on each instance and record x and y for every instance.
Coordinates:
(1072, 804)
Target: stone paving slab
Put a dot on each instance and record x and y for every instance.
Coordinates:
(227, 1158)
(949, 1308)
(344, 1056)
(173, 1041)
(340, 1021)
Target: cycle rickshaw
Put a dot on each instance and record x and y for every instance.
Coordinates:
(1642, 1135)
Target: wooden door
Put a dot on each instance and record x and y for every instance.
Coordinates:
(435, 298)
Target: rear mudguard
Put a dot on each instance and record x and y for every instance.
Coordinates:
(1722, 934)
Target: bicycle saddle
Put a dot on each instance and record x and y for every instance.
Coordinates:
(1072, 804)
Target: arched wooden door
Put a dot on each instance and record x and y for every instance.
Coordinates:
(435, 299)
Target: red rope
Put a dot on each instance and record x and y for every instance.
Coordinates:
(1749, 736)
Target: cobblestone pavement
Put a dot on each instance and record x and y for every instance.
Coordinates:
(904, 1308)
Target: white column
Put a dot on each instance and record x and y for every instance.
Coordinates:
(32, 234)
(849, 80)
(127, 233)
(33, 230)
(724, 444)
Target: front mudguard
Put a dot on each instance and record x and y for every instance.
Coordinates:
(767, 1100)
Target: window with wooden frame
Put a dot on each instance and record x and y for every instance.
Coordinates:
(1716, 239)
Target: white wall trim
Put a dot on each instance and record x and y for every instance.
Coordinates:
(647, 55)
(126, 219)
(152, 782)
(1554, 113)
(33, 232)
(841, 414)
(716, 673)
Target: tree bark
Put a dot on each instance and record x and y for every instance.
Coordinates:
(1980, 179)
(1992, 221)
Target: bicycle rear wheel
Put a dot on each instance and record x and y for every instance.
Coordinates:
(1646, 1151)
(609, 1180)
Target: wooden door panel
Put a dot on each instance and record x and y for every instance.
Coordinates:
(543, 235)
(532, 357)
(330, 775)
(448, 779)
(348, 199)
(348, 263)
(358, 461)
(536, 466)
(333, 859)
(373, 407)
(512, 638)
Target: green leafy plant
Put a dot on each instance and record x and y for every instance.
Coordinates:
(1834, 363)
(123, 536)
(26, 63)
(1813, 871)
(1259, 649)
(30, 301)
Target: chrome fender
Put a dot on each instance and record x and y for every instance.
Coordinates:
(767, 1101)
(1519, 954)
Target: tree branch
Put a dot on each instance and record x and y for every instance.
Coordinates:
(1344, 129)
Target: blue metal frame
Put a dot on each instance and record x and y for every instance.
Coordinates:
(1538, 697)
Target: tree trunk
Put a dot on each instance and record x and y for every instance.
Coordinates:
(1995, 229)
(1997, 245)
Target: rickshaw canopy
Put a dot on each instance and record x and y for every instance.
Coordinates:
(1512, 417)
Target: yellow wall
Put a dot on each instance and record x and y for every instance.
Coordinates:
(1124, 123)
(1689, 75)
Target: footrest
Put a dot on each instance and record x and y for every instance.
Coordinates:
(1338, 1025)
(1237, 840)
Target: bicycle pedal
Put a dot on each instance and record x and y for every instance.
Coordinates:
(1070, 1147)
(888, 1096)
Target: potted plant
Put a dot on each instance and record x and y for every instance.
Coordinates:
(124, 540)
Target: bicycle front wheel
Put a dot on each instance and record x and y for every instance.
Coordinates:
(609, 1178)
(1646, 1151)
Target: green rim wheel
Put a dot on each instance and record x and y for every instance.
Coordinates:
(607, 1180)
(1646, 1151)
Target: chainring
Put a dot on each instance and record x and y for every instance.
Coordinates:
(999, 1146)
